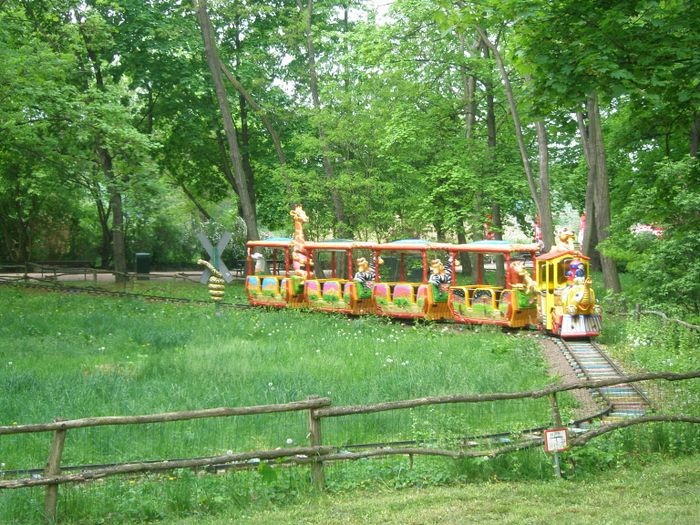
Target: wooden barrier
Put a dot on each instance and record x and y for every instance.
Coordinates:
(316, 454)
(637, 314)
(59, 268)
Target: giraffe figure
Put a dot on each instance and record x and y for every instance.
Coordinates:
(299, 258)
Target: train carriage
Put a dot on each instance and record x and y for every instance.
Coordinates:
(501, 290)
(331, 287)
(270, 279)
(403, 286)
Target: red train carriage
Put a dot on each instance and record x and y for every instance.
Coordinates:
(501, 289)
(271, 280)
(406, 286)
(331, 287)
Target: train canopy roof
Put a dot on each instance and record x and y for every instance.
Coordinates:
(272, 242)
(413, 245)
(551, 256)
(497, 246)
(476, 247)
(338, 245)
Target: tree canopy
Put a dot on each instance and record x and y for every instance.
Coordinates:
(431, 120)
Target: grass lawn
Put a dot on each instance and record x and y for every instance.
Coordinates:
(73, 356)
(667, 492)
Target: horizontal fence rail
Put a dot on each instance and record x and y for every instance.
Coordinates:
(478, 398)
(316, 454)
(166, 417)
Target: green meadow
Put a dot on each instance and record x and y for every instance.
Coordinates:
(74, 356)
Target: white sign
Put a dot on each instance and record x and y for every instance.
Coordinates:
(556, 439)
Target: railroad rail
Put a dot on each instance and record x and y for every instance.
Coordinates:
(590, 362)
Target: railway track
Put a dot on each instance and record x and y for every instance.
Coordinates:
(590, 362)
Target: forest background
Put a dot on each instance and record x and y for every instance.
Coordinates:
(130, 125)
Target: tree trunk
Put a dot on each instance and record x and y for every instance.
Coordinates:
(440, 232)
(243, 189)
(601, 192)
(23, 246)
(469, 89)
(546, 220)
(338, 207)
(496, 222)
(694, 135)
(545, 214)
(267, 122)
(115, 204)
(464, 256)
(245, 131)
(590, 237)
(117, 235)
(245, 150)
(104, 215)
(497, 225)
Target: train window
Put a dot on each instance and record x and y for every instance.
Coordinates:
(481, 268)
(401, 266)
(330, 264)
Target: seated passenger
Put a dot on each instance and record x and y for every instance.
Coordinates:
(366, 272)
(440, 275)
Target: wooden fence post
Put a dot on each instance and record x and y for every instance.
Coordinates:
(556, 415)
(556, 419)
(315, 440)
(53, 467)
(637, 312)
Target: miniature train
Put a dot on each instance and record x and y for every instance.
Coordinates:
(484, 282)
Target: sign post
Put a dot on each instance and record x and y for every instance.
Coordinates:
(556, 439)
(215, 254)
(216, 262)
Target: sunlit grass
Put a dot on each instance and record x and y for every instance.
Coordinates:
(73, 356)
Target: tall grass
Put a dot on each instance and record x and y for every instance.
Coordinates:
(75, 356)
(70, 357)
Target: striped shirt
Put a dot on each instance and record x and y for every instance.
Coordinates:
(443, 280)
(366, 278)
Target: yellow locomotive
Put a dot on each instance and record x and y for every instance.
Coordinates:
(567, 304)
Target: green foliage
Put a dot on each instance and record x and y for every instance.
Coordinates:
(666, 269)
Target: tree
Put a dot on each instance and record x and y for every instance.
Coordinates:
(242, 183)
(611, 53)
(540, 194)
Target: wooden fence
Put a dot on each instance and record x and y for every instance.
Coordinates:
(316, 454)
